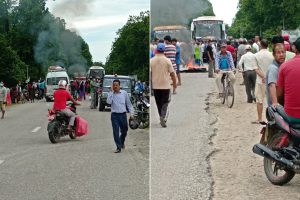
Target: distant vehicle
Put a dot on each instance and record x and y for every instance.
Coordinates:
(208, 27)
(181, 33)
(54, 75)
(127, 84)
(96, 72)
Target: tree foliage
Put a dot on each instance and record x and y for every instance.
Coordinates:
(265, 17)
(35, 39)
(10, 64)
(130, 50)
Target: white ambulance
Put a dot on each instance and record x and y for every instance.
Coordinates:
(54, 75)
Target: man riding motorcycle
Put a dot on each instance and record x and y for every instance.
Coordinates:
(61, 96)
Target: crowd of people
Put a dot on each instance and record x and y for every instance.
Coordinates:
(258, 60)
(23, 92)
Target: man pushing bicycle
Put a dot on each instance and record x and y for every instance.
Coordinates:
(224, 64)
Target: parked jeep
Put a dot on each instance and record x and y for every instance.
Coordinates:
(127, 84)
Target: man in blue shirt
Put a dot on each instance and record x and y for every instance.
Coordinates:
(224, 63)
(120, 104)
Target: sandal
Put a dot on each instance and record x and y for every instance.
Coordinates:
(256, 122)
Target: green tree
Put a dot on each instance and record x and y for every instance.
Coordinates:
(130, 50)
(265, 17)
(10, 64)
(98, 64)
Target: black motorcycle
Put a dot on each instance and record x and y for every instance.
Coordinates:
(58, 123)
(141, 115)
(280, 147)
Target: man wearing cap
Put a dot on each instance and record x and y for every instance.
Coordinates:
(224, 63)
(249, 62)
(288, 86)
(3, 93)
(161, 69)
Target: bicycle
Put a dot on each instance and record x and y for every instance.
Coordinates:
(228, 90)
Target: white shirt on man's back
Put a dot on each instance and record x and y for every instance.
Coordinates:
(249, 61)
(263, 58)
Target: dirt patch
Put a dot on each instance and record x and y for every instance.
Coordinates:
(238, 172)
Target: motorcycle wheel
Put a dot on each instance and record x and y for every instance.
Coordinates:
(145, 122)
(101, 105)
(53, 136)
(273, 172)
(144, 125)
(72, 134)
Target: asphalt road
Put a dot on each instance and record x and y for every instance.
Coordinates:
(31, 168)
(180, 168)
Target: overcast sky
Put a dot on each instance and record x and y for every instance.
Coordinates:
(225, 9)
(97, 21)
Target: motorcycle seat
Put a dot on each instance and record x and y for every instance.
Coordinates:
(283, 114)
(61, 114)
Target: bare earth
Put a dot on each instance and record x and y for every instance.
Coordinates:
(238, 172)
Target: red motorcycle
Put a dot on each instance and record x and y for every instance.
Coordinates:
(58, 123)
(280, 147)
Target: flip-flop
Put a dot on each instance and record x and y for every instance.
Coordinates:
(255, 122)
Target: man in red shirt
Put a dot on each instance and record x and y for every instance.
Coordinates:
(232, 50)
(61, 96)
(288, 85)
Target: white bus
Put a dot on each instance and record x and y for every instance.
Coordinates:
(208, 27)
(96, 72)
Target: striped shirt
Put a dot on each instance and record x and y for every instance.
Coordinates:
(120, 102)
(170, 52)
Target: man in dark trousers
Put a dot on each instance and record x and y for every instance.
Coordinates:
(161, 72)
(120, 104)
(211, 58)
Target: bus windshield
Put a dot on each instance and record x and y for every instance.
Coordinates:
(212, 30)
(96, 73)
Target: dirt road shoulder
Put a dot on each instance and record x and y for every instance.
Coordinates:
(237, 171)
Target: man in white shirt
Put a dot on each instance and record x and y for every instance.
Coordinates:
(249, 62)
(263, 58)
(3, 93)
(256, 45)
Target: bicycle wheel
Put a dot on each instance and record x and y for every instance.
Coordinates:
(222, 98)
(229, 95)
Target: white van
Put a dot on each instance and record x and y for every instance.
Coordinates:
(54, 75)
